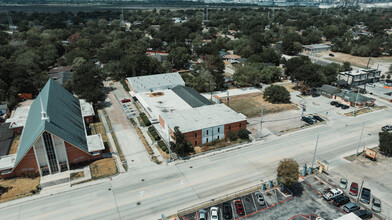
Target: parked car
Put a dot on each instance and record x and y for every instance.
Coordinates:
(343, 183)
(239, 208)
(345, 107)
(363, 214)
(202, 214)
(376, 207)
(318, 118)
(341, 200)
(331, 55)
(315, 95)
(333, 102)
(259, 198)
(351, 207)
(387, 128)
(227, 212)
(354, 189)
(333, 193)
(308, 120)
(214, 213)
(125, 100)
(338, 105)
(365, 195)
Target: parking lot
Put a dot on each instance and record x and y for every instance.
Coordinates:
(305, 201)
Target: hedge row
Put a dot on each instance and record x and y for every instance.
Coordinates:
(145, 119)
(163, 146)
(154, 133)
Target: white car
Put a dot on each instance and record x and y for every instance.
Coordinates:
(214, 213)
(333, 193)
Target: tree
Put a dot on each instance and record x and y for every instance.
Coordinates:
(181, 146)
(87, 83)
(178, 57)
(385, 142)
(288, 172)
(291, 44)
(276, 94)
(232, 136)
(243, 134)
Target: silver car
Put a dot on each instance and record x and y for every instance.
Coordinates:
(259, 198)
(376, 207)
(343, 183)
(202, 214)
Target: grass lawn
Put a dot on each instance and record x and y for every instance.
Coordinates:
(77, 175)
(220, 144)
(103, 168)
(98, 128)
(289, 86)
(15, 144)
(251, 104)
(18, 188)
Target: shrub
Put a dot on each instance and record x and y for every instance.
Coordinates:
(154, 133)
(163, 146)
(144, 117)
(232, 136)
(243, 134)
(124, 84)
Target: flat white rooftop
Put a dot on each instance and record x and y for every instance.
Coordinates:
(151, 83)
(86, 108)
(7, 162)
(162, 101)
(232, 92)
(19, 118)
(95, 143)
(202, 117)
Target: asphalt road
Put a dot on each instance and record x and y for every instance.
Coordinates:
(145, 192)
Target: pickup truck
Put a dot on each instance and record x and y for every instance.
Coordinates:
(333, 193)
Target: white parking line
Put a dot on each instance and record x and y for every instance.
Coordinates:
(252, 195)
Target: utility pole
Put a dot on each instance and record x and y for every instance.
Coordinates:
(315, 150)
(261, 121)
(367, 66)
(360, 191)
(228, 98)
(303, 108)
(360, 138)
(355, 105)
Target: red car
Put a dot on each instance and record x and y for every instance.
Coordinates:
(239, 208)
(354, 189)
(125, 100)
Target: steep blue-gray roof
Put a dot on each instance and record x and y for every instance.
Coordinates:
(65, 119)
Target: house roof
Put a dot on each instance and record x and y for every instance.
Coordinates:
(4, 107)
(203, 117)
(350, 96)
(65, 119)
(329, 89)
(232, 56)
(150, 83)
(190, 96)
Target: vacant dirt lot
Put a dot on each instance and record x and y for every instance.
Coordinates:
(354, 60)
(251, 104)
(18, 187)
(103, 168)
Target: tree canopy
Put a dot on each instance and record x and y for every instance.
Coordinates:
(276, 94)
(288, 172)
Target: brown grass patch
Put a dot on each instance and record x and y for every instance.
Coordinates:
(98, 128)
(251, 104)
(146, 145)
(18, 188)
(163, 153)
(14, 145)
(359, 112)
(77, 175)
(289, 86)
(103, 168)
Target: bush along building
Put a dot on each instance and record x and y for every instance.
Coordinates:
(167, 101)
(54, 136)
